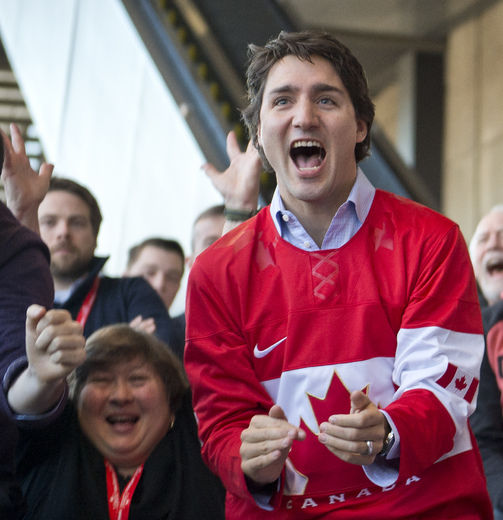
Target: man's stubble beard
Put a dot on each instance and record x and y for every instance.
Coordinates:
(68, 272)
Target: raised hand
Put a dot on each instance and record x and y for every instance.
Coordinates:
(145, 325)
(54, 343)
(54, 347)
(24, 187)
(239, 184)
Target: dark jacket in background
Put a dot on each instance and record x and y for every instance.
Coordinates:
(487, 420)
(119, 300)
(24, 279)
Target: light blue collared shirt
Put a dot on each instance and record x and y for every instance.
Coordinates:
(346, 222)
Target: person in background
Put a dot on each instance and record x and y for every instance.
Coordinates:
(207, 229)
(125, 445)
(334, 340)
(161, 262)
(69, 220)
(486, 253)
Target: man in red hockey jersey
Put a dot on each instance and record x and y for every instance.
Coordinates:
(334, 340)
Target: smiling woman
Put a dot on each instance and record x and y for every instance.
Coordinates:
(125, 445)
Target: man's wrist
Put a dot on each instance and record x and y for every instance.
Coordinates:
(238, 214)
(256, 487)
(389, 440)
(28, 217)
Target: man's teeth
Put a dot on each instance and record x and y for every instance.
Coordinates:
(300, 144)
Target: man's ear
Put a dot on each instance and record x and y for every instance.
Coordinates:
(259, 135)
(361, 130)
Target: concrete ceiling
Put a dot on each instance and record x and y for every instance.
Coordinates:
(379, 32)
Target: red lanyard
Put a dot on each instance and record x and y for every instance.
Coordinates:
(87, 304)
(118, 505)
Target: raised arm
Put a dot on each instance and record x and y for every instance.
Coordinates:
(24, 187)
(54, 347)
(239, 183)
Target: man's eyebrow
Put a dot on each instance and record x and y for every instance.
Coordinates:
(316, 88)
(282, 90)
(325, 87)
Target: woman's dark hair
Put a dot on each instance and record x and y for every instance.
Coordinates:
(120, 343)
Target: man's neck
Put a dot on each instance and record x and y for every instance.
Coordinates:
(314, 216)
(315, 223)
(63, 284)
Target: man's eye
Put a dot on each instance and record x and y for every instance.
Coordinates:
(326, 101)
(174, 278)
(47, 222)
(280, 101)
(79, 223)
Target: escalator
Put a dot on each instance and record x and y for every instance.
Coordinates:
(13, 110)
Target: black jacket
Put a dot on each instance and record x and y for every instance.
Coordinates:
(119, 300)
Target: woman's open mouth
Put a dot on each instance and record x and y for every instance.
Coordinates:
(123, 422)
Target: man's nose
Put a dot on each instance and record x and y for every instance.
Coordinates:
(306, 114)
(62, 228)
(495, 240)
(158, 282)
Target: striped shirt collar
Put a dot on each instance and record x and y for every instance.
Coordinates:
(345, 223)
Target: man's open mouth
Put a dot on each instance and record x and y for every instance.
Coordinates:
(307, 154)
(494, 266)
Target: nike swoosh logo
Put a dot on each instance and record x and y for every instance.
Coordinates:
(262, 353)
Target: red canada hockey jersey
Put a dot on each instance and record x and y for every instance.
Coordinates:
(393, 312)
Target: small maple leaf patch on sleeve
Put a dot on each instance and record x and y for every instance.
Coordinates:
(458, 382)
